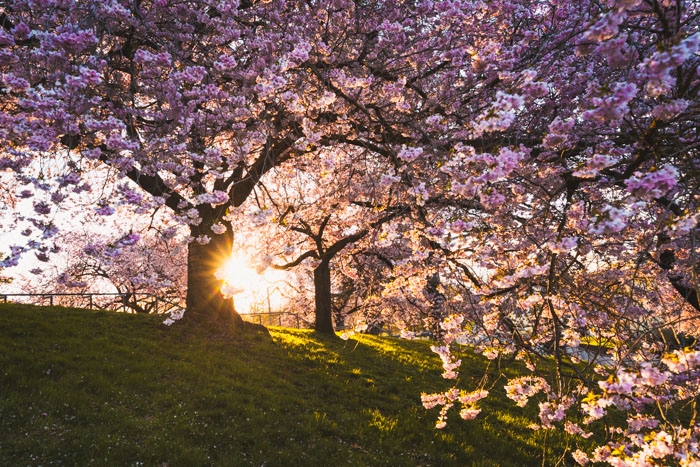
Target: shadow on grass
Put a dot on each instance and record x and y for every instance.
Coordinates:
(82, 387)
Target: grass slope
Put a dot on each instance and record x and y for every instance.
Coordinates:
(97, 388)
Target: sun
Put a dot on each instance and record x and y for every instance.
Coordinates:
(238, 273)
(252, 292)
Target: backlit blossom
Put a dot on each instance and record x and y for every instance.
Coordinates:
(611, 105)
(580, 457)
(653, 184)
(449, 363)
(175, 315)
(574, 429)
(669, 110)
(42, 208)
(105, 210)
(218, 228)
(522, 389)
(203, 239)
(594, 165)
(410, 154)
(469, 414)
(127, 240)
(215, 198)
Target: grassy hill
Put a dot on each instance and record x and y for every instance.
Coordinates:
(83, 388)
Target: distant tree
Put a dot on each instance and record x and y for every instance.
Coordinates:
(322, 208)
(148, 271)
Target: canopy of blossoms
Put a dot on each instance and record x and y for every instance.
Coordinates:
(543, 154)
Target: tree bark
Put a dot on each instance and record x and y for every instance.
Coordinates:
(205, 304)
(667, 259)
(322, 285)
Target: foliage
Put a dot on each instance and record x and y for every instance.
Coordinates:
(4, 279)
(129, 257)
(83, 387)
(546, 156)
(326, 208)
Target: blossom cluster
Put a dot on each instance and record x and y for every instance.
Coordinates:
(524, 175)
(467, 400)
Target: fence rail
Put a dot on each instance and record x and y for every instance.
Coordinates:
(277, 318)
(126, 301)
(148, 303)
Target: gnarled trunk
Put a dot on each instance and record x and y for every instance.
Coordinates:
(322, 284)
(205, 304)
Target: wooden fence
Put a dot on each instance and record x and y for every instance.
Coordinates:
(125, 302)
(139, 302)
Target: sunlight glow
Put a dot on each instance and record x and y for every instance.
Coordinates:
(252, 292)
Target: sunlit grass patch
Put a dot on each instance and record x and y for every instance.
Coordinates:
(82, 387)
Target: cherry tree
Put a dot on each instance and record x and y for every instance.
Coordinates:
(582, 168)
(548, 152)
(326, 206)
(195, 101)
(404, 279)
(166, 94)
(145, 269)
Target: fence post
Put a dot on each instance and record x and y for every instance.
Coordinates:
(51, 300)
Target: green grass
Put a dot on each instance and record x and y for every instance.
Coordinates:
(97, 388)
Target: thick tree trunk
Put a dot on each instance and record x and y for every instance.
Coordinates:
(322, 284)
(205, 304)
